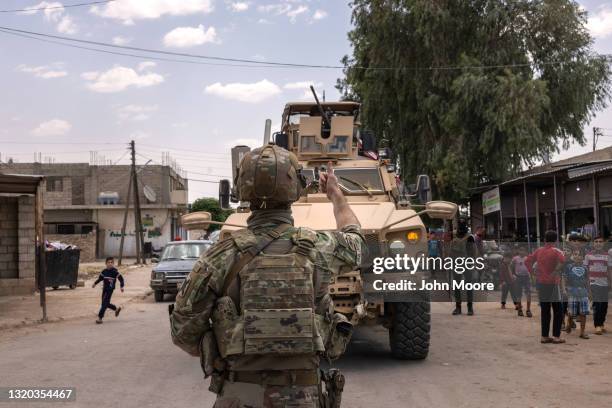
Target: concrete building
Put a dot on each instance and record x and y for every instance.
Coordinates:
(18, 226)
(85, 204)
(562, 195)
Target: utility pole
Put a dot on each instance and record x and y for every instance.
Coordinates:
(125, 217)
(137, 215)
(596, 133)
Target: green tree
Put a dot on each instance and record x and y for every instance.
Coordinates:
(212, 206)
(472, 91)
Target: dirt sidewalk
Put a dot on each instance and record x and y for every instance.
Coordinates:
(67, 304)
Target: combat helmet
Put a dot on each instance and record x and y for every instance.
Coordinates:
(269, 177)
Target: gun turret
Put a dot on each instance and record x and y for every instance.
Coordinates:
(323, 113)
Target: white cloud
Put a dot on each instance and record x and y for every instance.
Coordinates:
(136, 112)
(239, 6)
(146, 65)
(67, 26)
(600, 22)
(252, 93)
(130, 10)
(319, 14)
(119, 78)
(294, 13)
(302, 85)
(118, 40)
(183, 37)
(44, 71)
(53, 127)
(291, 9)
(54, 13)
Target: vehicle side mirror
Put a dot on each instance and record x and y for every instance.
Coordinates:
(282, 140)
(154, 260)
(441, 210)
(224, 194)
(423, 188)
(199, 220)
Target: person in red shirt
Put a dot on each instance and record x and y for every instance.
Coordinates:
(549, 260)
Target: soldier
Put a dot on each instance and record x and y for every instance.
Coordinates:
(256, 307)
(463, 246)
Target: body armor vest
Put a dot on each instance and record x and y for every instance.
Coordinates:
(276, 315)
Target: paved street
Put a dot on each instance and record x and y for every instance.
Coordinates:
(491, 359)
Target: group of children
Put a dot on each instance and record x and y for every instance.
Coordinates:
(567, 282)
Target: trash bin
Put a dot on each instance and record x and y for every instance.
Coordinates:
(62, 268)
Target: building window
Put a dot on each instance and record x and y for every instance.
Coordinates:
(55, 184)
(86, 229)
(65, 229)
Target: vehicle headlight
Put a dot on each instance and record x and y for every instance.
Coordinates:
(397, 247)
(159, 275)
(413, 236)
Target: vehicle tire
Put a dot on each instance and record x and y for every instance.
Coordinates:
(410, 330)
(159, 295)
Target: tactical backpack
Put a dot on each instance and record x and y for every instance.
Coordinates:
(277, 299)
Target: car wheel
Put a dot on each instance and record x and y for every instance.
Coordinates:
(159, 295)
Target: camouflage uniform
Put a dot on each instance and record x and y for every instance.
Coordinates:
(198, 302)
(256, 307)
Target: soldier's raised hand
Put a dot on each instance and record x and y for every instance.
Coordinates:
(329, 183)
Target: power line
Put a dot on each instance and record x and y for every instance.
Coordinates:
(268, 64)
(136, 55)
(91, 3)
(176, 54)
(204, 181)
(61, 143)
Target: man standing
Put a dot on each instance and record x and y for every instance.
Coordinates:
(550, 261)
(256, 307)
(463, 246)
(598, 264)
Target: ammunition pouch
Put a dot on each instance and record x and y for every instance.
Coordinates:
(341, 331)
(334, 385)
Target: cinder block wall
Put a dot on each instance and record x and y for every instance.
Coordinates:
(9, 268)
(17, 245)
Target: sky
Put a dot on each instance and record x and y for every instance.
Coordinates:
(64, 102)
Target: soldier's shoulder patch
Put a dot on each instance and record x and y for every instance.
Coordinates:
(243, 239)
(305, 234)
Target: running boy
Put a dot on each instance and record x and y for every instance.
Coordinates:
(576, 285)
(110, 275)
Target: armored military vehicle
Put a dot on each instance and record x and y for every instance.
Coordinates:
(330, 131)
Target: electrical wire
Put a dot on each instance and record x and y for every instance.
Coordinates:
(91, 3)
(150, 57)
(254, 63)
(163, 52)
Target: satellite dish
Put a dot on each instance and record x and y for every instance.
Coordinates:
(149, 194)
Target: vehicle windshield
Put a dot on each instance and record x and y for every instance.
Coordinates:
(353, 180)
(183, 251)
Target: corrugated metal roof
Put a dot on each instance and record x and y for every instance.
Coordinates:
(543, 172)
(591, 169)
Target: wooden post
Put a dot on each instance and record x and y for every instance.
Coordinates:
(595, 206)
(556, 208)
(40, 244)
(125, 216)
(537, 215)
(526, 214)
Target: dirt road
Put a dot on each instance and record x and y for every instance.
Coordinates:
(493, 359)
